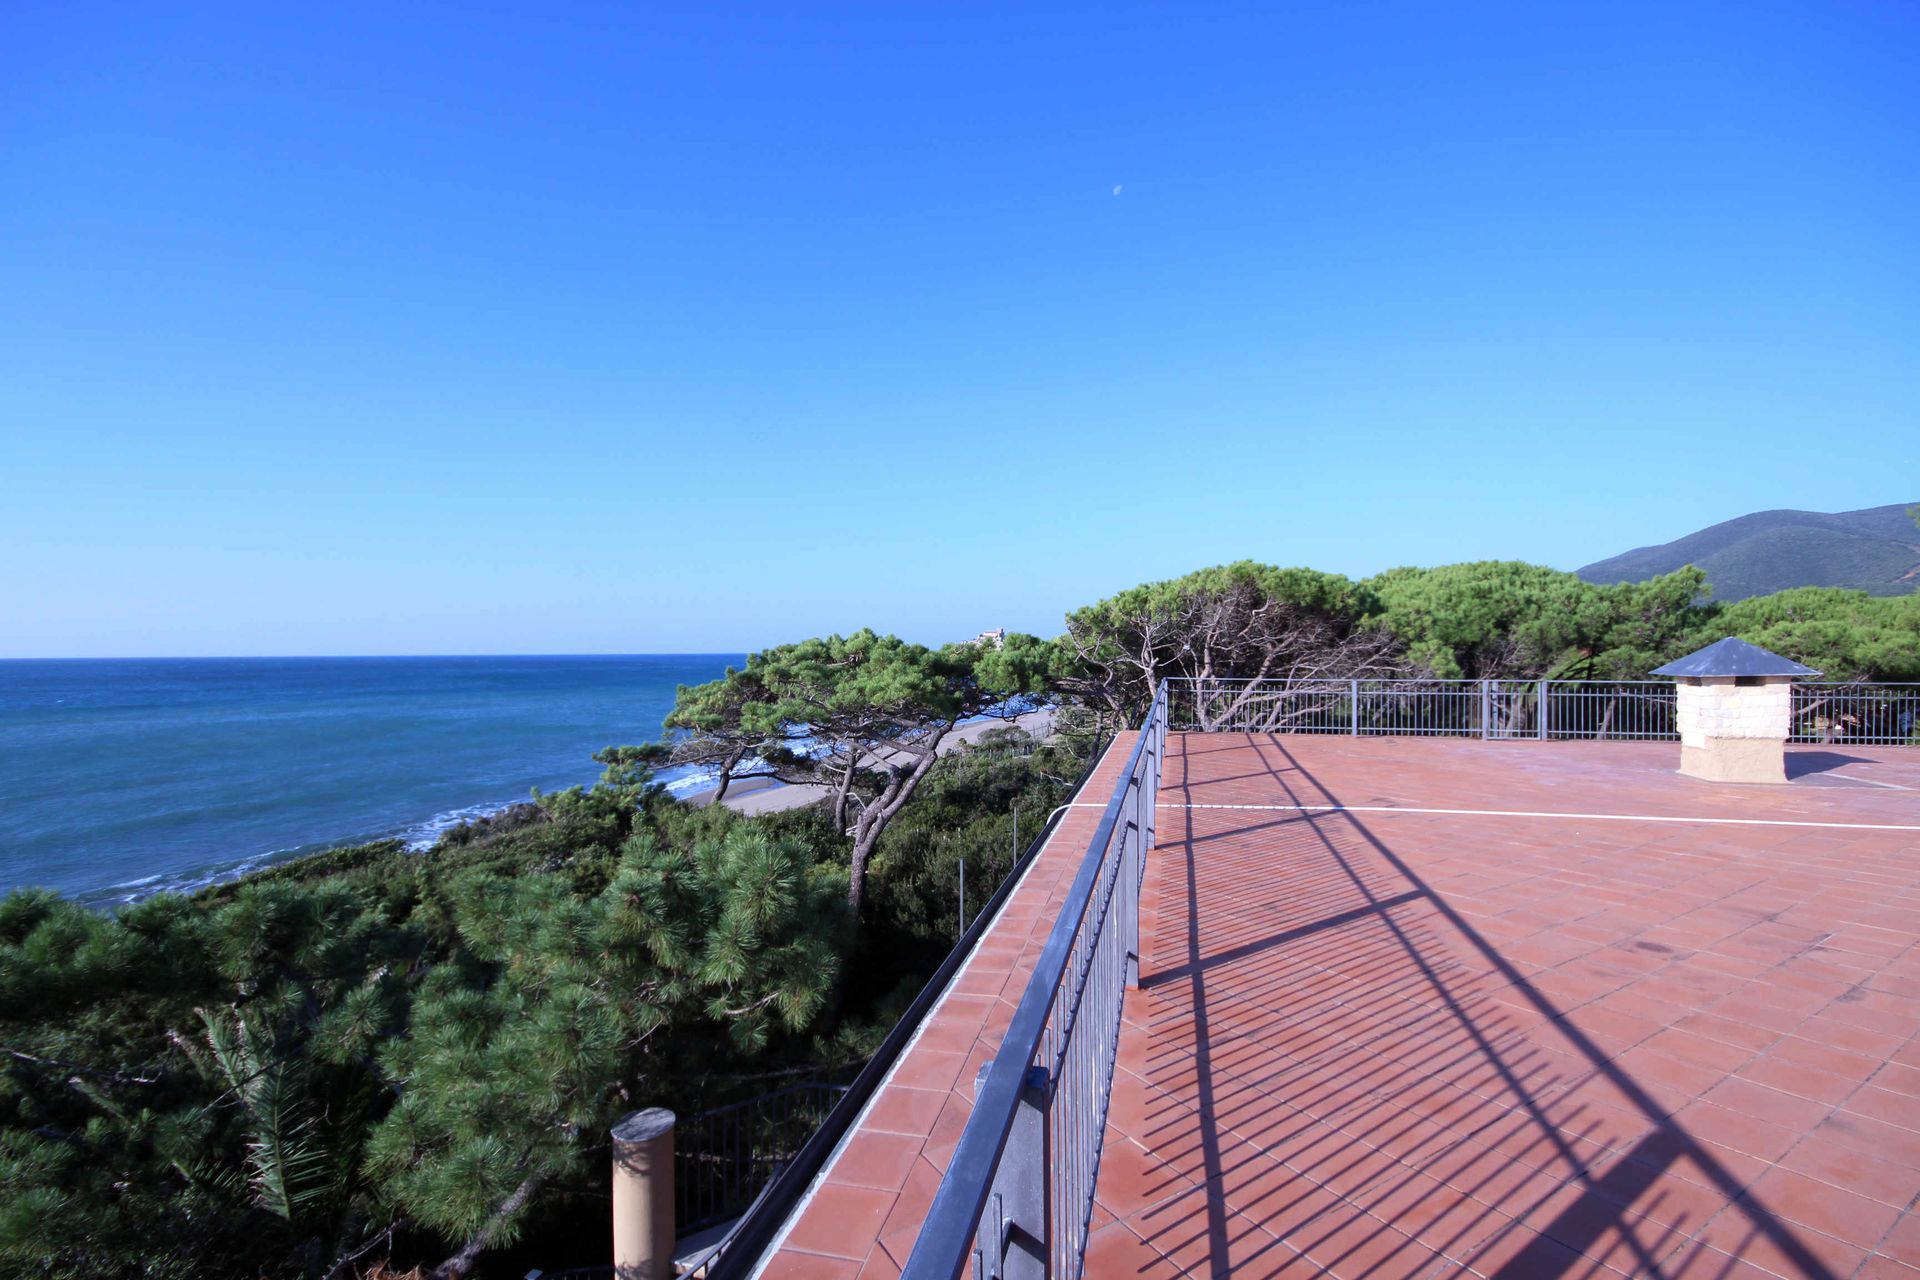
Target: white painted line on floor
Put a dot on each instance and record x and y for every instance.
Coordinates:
(1530, 813)
(1872, 782)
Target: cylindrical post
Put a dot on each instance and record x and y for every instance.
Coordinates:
(643, 1196)
(1353, 706)
(1543, 711)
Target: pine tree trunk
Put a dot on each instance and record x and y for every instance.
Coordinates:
(726, 776)
(875, 817)
(857, 880)
(840, 797)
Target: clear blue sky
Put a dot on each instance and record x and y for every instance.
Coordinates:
(483, 328)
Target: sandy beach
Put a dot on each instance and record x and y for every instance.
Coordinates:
(764, 795)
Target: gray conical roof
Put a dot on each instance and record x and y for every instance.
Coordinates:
(1734, 657)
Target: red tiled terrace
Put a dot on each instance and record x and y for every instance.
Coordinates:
(1418, 1008)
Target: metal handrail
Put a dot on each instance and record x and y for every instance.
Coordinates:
(1018, 1193)
(752, 1236)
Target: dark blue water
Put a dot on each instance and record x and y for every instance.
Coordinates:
(125, 776)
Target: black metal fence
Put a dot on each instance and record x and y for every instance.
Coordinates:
(725, 1156)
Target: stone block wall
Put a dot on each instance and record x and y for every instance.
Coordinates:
(1731, 732)
(1722, 709)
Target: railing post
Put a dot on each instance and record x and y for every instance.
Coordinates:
(1486, 709)
(1543, 711)
(1353, 706)
(1015, 1228)
(643, 1196)
(1132, 839)
(1136, 837)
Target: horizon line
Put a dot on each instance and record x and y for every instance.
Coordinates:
(371, 657)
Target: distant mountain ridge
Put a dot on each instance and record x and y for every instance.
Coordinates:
(1875, 549)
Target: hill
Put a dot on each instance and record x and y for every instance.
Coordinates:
(1876, 550)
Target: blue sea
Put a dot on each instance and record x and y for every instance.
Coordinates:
(123, 777)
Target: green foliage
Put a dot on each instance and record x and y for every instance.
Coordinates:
(1242, 620)
(275, 1076)
(1846, 635)
(863, 715)
(545, 1027)
(180, 1077)
(1486, 620)
(965, 811)
(864, 686)
(1505, 619)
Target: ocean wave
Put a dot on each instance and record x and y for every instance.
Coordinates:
(128, 892)
(681, 781)
(422, 836)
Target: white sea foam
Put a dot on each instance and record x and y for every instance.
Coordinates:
(418, 837)
(179, 882)
(422, 836)
(689, 779)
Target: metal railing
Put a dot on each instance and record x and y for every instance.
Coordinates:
(723, 1157)
(1829, 711)
(1640, 710)
(737, 1256)
(1460, 708)
(1615, 710)
(1325, 706)
(1017, 1197)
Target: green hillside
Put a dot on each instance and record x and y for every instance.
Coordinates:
(1876, 550)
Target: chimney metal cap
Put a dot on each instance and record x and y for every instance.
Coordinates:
(1733, 657)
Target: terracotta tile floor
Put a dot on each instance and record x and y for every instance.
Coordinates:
(1389, 1044)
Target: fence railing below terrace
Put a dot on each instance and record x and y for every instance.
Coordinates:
(1615, 710)
(723, 1157)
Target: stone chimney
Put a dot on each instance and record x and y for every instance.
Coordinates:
(1734, 705)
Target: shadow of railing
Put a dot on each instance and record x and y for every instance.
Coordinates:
(1377, 1084)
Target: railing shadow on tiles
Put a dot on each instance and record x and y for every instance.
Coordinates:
(1017, 1197)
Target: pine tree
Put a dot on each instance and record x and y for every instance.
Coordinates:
(548, 1024)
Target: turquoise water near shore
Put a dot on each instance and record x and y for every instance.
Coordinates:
(122, 777)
